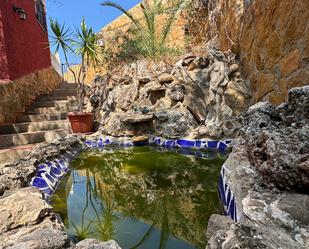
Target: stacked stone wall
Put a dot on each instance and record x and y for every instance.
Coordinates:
(270, 37)
(16, 96)
(177, 36)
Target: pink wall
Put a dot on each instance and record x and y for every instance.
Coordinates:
(25, 42)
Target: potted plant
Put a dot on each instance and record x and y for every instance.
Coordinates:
(82, 43)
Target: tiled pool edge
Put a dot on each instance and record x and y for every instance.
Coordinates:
(50, 174)
(221, 145)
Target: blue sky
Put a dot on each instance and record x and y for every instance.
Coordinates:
(71, 13)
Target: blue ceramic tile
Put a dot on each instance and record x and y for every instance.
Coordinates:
(49, 164)
(222, 146)
(185, 143)
(55, 171)
(231, 209)
(169, 143)
(198, 143)
(39, 182)
(212, 144)
(48, 191)
(100, 144)
(89, 143)
(42, 166)
(52, 180)
(40, 172)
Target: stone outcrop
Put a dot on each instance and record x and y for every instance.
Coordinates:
(267, 173)
(184, 99)
(17, 96)
(278, 144)
(27, 221)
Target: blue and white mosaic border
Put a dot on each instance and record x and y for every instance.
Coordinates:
(227, 197)
(192, 144)
(49, 174)
(166, 143)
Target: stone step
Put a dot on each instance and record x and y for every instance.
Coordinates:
(50, 110)
(68, 92)
(41, 117)
(65, 85)
(11, 154)
(44, 98)
(54, 103)
(19, 139)
(34, 126)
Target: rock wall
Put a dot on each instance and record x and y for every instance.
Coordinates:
(16, 96)
(267, 174)
(197, 97)
(271, 39)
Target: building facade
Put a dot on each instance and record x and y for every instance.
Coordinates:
(24, 45)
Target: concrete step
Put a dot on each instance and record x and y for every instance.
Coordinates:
(51, 110)
(34, 126)
(54, 103)
(19, 139)
(41, 117)
(11, 154)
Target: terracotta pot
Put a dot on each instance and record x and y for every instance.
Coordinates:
(81, 122)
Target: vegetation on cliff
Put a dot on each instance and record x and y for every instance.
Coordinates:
(146, 38)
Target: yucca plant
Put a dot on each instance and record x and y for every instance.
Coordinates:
(82, 43)
(61, 38)
(151, 40)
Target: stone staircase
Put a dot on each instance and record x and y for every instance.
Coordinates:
(44, 121)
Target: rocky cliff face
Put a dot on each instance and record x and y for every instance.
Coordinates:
(197, 97)
(271, 39)
(268, 174)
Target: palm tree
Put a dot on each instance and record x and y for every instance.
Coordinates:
(152, 41)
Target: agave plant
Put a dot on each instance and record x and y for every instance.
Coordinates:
(152, 40)
(82, 43)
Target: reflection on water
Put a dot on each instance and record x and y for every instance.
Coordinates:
(140, 197)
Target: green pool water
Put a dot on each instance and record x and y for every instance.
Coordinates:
(141, 197)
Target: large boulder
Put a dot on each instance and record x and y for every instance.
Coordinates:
(28, 222)
(277, 140)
